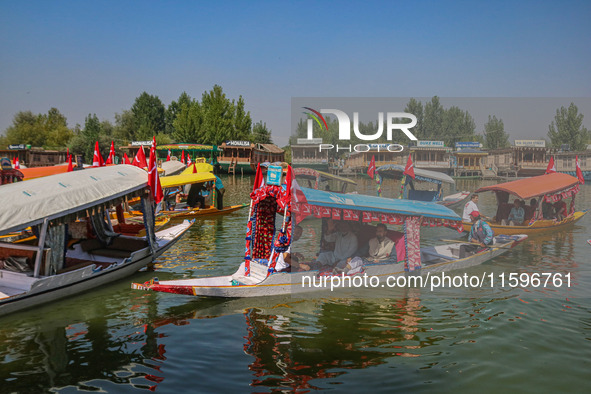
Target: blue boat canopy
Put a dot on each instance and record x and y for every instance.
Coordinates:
(365, 203)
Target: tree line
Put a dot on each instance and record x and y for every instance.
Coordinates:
(451, 125)
(211, 121)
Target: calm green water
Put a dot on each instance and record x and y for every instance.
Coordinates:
(120, 340)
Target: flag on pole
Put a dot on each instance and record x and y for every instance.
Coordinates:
(168, 156)
(189, 162)
(17, 164)
(183, 157)
(579, 172)
(97, 159)
(140, 158)
(194, 169)
(126, 159)
(372, 167)
(409, 169)
(153, 178)
(70, 166)
(258, 178)
(551, 167)
(111, 158)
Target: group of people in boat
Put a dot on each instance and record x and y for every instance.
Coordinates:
(519, 213)
(198, 195)
(342, 250)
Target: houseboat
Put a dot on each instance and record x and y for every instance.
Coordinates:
(242, 157)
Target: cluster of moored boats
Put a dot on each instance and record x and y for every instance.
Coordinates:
(73, 231)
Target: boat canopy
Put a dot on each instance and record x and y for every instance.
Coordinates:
(38, 172)
(199, 167)
(29, 203)
(420, 174)
(363, 203)
(309, 173)
(186, 179)
(536, 186)
(172, 167)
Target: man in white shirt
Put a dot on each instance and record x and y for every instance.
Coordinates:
(345, 246)
(380, 247)
(470, 207)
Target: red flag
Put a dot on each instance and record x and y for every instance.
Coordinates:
(126, 159)
(579, 172)
(183, 157)
(111, 158)
(372, 167)
(17, 164)
(140, 158)
(409, 169)
(168, 156)
(13, 160)
(67, 152)
(97, 159)
(258, 178)
(194, 169)
(189, 159)
(551, 167)
(70, 166)
(153, 178)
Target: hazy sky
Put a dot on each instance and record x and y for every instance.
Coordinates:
(97, 56)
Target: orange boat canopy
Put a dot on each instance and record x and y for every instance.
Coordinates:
(536, 186)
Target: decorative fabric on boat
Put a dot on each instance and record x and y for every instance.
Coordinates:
(555, 197)
(281, 244)
(56, 240)
(412, 241)
(264, 230)
(147, 203)
(100, 227)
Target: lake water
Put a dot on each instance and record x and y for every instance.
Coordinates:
(120, 340)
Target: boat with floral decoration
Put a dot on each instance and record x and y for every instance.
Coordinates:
(545, 193)
(257, 274)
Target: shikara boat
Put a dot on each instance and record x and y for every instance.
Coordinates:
(433, 179)
(256, 275)
(183, 211)
(75, 248)
(315, 179)
(548, 188)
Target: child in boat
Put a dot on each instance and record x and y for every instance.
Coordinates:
(286, 259)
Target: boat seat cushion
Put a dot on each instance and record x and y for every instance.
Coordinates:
(90, 244)
(128, 244)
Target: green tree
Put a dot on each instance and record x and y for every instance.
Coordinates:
(567, 128)
(84, 141)
(415, 107)
(261, 134)
(242, 121)
(173, 110)
(218, 117)
(494, 134)
(56, 126)
(433, 119)
(125, 127)
(187, 123)
(148, 112)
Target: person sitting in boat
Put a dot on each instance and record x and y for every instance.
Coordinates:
(380, 247)
(547, 210)
(345, 246)
(470, 207)
(533, 204)
(481, 236)
(287, 259)
(194, 197)
(560, 209)
(516, 216)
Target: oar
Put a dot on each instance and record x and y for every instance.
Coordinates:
(457, 241)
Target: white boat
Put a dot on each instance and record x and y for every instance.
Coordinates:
(75, 248)
(256, 275)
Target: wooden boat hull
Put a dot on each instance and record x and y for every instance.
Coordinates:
(454, 200)
(197, 212)
(51, 288)
(536, 227)
(238, 285)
